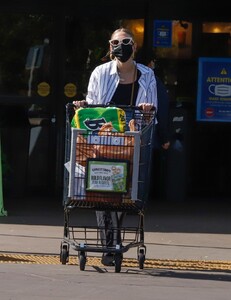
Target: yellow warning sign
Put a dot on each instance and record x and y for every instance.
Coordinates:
(43, 89)
(70, 90)
(223, 71)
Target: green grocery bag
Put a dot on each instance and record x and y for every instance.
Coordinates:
(92, 118)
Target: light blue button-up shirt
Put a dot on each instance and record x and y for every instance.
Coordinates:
(104, 80)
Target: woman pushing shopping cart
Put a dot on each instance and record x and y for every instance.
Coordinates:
(117, 151)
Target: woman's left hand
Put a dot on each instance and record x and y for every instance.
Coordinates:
(146, 107)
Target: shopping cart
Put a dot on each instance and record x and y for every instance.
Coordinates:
(107, 171)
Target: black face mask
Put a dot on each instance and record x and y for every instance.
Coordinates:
(122, 52)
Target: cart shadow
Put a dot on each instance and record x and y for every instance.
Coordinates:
(195, 275)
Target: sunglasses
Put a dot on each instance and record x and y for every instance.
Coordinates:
(126, 41)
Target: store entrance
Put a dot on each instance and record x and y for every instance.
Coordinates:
(47, 63)
(27, 93)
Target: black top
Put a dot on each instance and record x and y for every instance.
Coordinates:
(124, 91)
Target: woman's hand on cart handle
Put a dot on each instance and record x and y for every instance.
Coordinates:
(146, 107)
(80, 103)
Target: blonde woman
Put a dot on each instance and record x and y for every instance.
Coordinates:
(120, 81)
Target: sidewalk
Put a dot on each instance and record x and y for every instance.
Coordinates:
(199, 231)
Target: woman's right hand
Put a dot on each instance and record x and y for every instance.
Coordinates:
(80, 103)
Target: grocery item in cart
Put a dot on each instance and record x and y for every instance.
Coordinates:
(121, 148)
(84, 150)
(92, 118)
(79, 179)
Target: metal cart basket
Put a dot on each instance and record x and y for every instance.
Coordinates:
(107, 171)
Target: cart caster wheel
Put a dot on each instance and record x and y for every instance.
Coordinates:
(118, 263)
(141, 259)
(64, 255)
(82, 261)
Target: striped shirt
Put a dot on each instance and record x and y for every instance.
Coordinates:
(104, 80)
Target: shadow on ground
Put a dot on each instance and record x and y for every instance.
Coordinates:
(195, 215)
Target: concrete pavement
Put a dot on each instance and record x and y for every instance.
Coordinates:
(172, 231)
(196, 231)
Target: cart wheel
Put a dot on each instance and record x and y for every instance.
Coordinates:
(118, 262)
(141, 258)
(64, 255)
(82, 261)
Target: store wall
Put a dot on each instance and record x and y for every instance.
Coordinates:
(40, 147)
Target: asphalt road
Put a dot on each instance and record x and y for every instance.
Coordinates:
(66, 282)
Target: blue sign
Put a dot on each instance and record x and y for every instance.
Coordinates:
(162, 34)
(214, 90)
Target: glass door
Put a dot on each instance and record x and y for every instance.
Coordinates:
(26, 103)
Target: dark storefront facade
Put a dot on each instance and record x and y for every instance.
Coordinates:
(48, 51)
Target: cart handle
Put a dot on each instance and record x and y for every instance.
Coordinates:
(109, 104)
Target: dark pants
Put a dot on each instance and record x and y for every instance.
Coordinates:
(109, 223)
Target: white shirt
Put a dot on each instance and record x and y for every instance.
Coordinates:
(104, 80)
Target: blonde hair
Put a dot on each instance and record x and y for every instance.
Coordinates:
(125, 30)
(122, 29)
